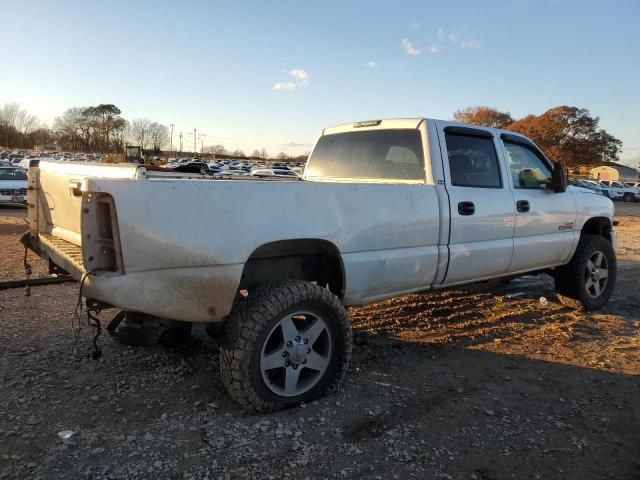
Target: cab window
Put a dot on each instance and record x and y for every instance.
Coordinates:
(472, 161)
(528, 170)
(369, 154)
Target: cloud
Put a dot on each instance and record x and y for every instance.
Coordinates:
(410, 48)
(301, 76)
(286, 86)
(435, 49)
(294, 145)
(457, 39)
(470, 45)
(370, 64)
(414, 25)
(300, 79)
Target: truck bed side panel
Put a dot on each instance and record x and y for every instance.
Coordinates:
(382, 231)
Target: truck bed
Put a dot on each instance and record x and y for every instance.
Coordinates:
(161, 242)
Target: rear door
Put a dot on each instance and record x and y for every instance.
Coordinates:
(545, 220)
(482, 210)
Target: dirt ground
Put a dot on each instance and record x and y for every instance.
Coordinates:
(487, 383)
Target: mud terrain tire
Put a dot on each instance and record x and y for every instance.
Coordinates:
(273, 322)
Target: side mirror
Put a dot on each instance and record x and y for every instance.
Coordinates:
(559, 179)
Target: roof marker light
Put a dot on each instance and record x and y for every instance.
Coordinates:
(367, 123)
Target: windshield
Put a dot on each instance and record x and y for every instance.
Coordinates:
(372, 154)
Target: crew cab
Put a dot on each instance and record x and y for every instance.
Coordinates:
(384, 208)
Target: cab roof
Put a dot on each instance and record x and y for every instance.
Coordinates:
(378, 124)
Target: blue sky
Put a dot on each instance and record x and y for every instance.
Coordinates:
(214, 65)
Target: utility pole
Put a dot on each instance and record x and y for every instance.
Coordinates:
(195, 139)
(172, 125)
(180, 142)
(201, 145)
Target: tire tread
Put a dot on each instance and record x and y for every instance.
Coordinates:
(252, 315)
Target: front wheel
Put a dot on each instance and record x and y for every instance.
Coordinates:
(288, 342)
(589, 279)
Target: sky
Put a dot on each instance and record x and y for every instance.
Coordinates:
(273, 74)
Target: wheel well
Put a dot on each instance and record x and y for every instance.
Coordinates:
(598, 226)
(305, 259)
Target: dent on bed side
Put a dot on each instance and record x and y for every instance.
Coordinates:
(194, 294)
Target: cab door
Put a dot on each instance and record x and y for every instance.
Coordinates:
(482, 213)
(545, 220)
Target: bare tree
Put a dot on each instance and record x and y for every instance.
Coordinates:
(158, 135)
(68, 128)
(255, 153)
(139, 132)
(215, 149)
(16, 124)
(263, 153)
(238, 153)
(282, 156)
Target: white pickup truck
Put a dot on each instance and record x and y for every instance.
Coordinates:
(384, 208)
(619, 191)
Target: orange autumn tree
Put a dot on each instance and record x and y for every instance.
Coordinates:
(568, 134)
(486, 116)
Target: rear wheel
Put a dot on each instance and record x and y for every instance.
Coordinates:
(628, 197)
(286, 343)
(588, 280)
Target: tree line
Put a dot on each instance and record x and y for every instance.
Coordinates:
(99, 128)
(567, 134)
(221, 150)
(20, 129)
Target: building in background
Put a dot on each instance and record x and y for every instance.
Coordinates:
(614, 171)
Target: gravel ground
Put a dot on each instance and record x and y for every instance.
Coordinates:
(484, 383)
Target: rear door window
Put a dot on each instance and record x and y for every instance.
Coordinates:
(473, 161)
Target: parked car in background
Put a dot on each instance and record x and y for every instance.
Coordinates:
(590, 185)
(262, 172)
(232, 171)
(636, 188)
(618, 191)
(13, 185)
(280, 172)
(273, 172)
(193, 167)
(15, 158)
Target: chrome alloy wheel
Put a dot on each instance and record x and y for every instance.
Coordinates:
(596, 274)
(296, 354)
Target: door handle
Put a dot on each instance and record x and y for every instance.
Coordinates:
(466, 208)
(523, 206)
